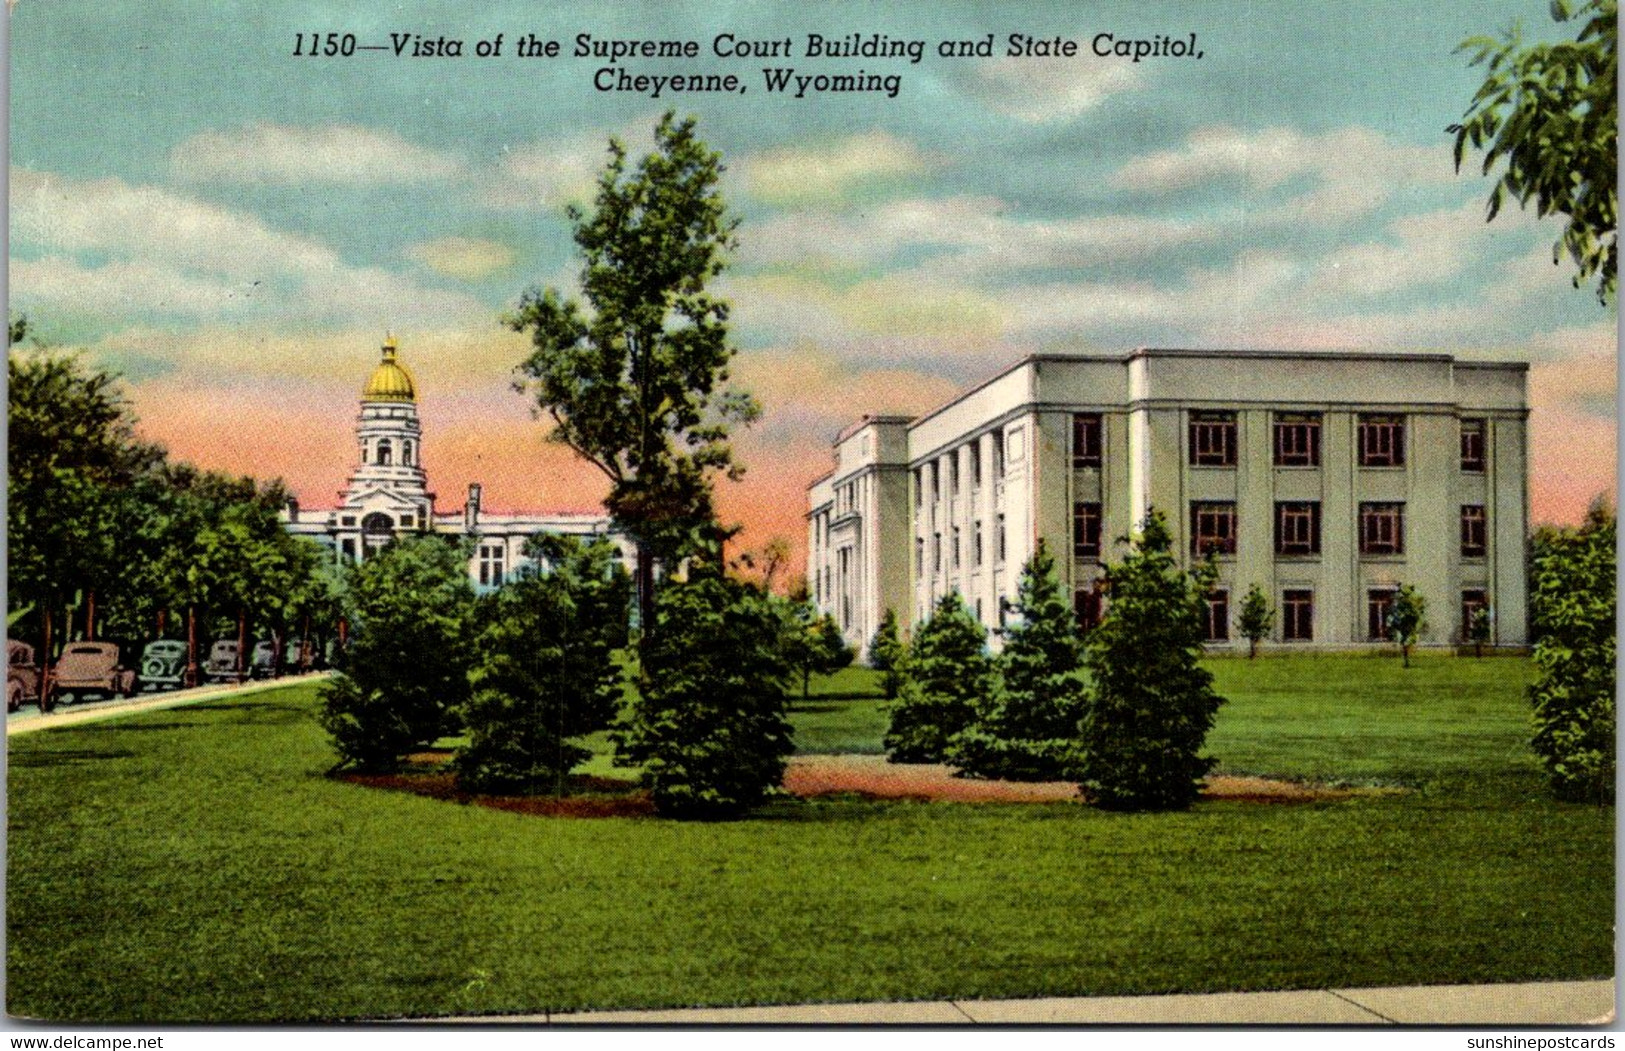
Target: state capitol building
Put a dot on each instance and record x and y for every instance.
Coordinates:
(388, 492)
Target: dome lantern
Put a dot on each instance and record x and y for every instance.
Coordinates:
(390, 381)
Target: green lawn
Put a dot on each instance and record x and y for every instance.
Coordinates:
(196, 864)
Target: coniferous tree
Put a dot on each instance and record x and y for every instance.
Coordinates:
(1027, 728)
(546, 671)
(406, 670)
(710, 729)
(1572, 606)
(1150, 704)
(886, 654)
(948, 670)
(814, 644)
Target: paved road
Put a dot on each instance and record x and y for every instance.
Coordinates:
(28, 718)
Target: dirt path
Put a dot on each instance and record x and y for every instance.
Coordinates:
(872, 776)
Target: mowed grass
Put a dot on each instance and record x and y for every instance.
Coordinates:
(197, 864)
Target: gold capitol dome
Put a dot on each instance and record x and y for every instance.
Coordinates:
(390, 381)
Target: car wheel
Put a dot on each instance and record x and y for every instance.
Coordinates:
(14, 696)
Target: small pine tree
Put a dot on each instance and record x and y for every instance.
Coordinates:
(1572, 606)
(1027, 730)
(947, 672)
(1257, 619)
(406, 668)
(709, 728)
(1407, 619)
(546, 670)
(1150, 704)
(886, 654)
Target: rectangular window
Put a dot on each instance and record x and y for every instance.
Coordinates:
(936, 481)
(1297, 528)
(1298, 616)
(1473, 600)
(956, 547)
(919, 556)
(977, 549)
(491, 565)
(1379, 602)
(1472, 445)
(1213, 439)
(1086, 530)
(1086, 608)
(975, 454)
(1297, 439)
(1086, 427)
(919, 488)
(999, 550)
(936, 552)
(1474, 539)
(1382, 529)
(1217, 619)
(953, 473)
(1213, 529)
(349, 550)
(998, 459)
(1382, 441)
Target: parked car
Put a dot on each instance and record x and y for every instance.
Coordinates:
(22, 675)
(91, 667)
(262, 663)
(222, 666)
(163, 665)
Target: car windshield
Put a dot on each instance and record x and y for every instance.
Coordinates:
(87, 649)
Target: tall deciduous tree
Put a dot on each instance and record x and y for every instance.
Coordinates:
(1550, 114)
(1407, 619)
(947, 671)
(636, 383)
(1150, 703)
(1573, 605)
(546, 672)
(1027, 729)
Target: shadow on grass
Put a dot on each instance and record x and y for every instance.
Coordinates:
(68, 757)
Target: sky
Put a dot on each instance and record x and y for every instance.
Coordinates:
(233, 227)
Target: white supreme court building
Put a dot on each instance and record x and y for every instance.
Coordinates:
(1326, 479)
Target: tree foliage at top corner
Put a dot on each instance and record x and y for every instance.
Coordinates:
(636, 381)
(1549, 113)
(1572, 606)
(1150, 704)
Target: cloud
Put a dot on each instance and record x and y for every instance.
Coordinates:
(830, 171)
(804, 303)
(465, 258)
(1352, 170)
(553, 173)
(330, 154)
(130, 252)
(1038, 91)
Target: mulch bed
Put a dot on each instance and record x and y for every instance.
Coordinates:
(810, 776)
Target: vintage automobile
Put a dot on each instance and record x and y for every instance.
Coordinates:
(222, 666)
(22, 675)
(262, 664)
(163, 665)
(299, 655)
(91, 667)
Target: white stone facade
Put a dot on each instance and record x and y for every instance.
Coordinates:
(388, 494)
(1325, 479)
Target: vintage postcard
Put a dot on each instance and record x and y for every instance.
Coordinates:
(811, 513)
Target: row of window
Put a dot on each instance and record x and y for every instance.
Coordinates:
(384, 453)
(1297, 613)
(932, 473)
(977, 551)
(1212, 440)
(1297, 529)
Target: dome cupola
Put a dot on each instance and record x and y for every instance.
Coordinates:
(390, 381)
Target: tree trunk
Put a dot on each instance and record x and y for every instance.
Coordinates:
(1405, 655)
(45, 665)
(90, 616)
(304, 645)
(646, 591)
(163, 621)
(242, 642)
(1252, 648)
(276, 653)
(191, 645)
